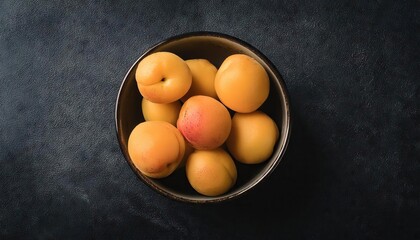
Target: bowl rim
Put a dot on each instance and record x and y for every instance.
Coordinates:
(284, 95)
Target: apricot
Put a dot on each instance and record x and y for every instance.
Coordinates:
(156, 148)
(204, 122)
(167, 112)
(252, 138)
(203, 74)
(163, 77)
(211, 172)
(241, 83)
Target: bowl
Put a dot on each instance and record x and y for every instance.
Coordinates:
(214, 47)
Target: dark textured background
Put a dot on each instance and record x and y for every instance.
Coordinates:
(352, 167)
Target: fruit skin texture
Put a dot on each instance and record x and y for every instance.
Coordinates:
(204, 122)
(163, 77)
(167, 112)
(241, 83)
(203, 74)
(156, 148)
(253, 137)
(211, 172)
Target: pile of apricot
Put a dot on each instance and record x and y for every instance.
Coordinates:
(187, 122)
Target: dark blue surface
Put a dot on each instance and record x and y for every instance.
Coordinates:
(352, 167)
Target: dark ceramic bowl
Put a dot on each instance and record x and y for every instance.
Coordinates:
(214, 47)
